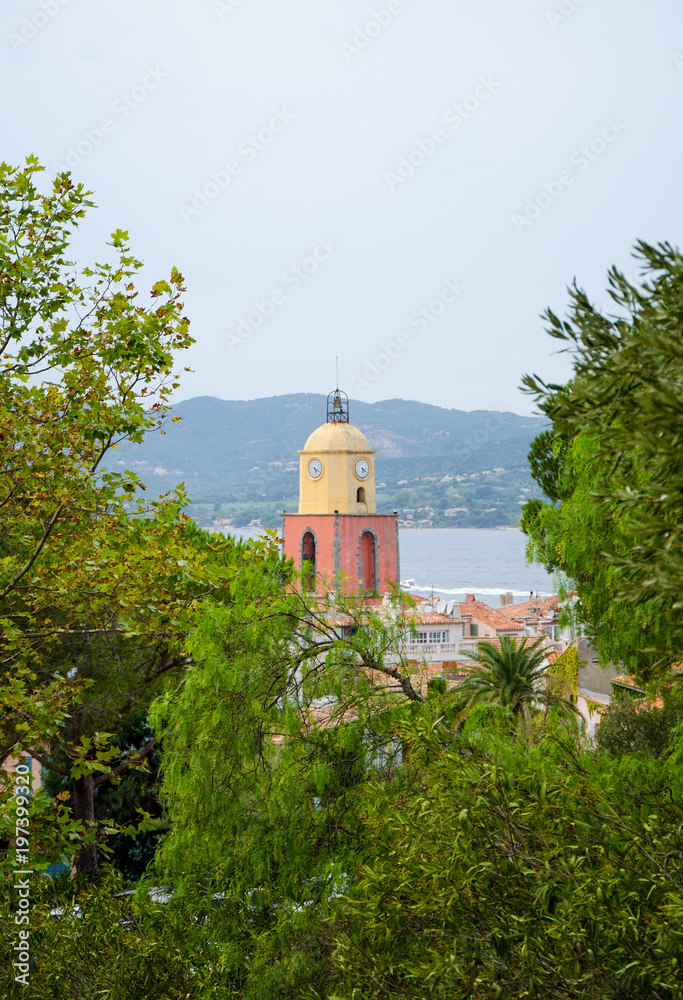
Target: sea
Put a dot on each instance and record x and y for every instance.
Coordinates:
(453, 562)
(486, 562)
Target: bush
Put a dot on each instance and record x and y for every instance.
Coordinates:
(639, 725)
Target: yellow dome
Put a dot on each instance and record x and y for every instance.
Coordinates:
(337, 437)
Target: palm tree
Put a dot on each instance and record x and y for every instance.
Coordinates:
(512, 677)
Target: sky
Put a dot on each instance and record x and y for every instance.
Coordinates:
(403, 184)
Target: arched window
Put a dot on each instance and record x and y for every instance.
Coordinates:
(360, 494)
(308, 560)
(368, 562)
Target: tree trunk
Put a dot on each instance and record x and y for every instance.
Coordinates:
(87, 861)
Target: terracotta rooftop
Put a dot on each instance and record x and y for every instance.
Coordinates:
(523, 610)
(489, 616)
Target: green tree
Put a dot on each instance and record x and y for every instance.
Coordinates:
(119, 804)
(103, 941)
(612, 466)
(289, 710)
(121, 670)
(545, 462)
(633, 724)
(516, 868)
(122, 804)
(97, 585)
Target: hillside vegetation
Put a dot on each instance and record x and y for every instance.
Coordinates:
(239, 459)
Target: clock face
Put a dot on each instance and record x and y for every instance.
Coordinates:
(315, 468)
(362, 468)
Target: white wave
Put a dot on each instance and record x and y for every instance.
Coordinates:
(483, 591)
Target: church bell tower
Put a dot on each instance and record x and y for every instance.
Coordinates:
(337, 537)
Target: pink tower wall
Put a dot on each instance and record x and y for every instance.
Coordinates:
(338, 548)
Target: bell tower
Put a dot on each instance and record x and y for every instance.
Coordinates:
(337, 466)
(337, 537)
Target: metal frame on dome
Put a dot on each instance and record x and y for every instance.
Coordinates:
(337, 407)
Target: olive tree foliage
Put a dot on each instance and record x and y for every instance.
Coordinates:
(612, 465)
(97, 584)
(516, 868)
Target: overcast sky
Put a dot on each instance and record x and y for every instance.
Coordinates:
(406, 184)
